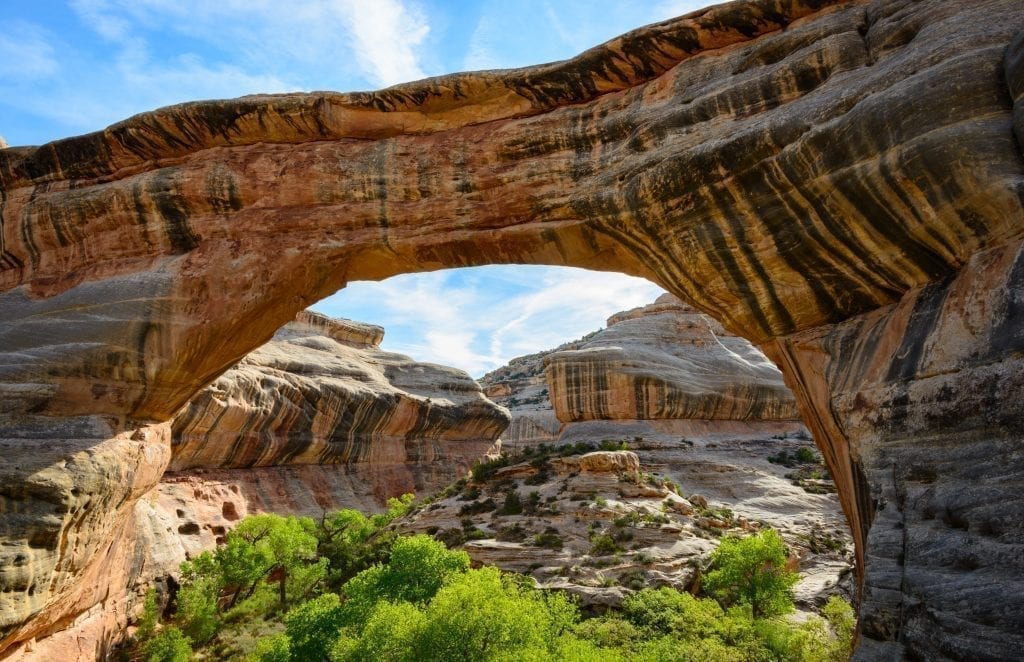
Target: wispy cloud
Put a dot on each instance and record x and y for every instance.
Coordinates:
(25, 52)
(386, 36)
(477, 319)
(382, 38)
(137, 55)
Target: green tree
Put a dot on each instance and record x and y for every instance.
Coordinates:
(269, 545)
(752, 571)
(149, 619)
(418, 567)
(275, 648)
(313, 626)
(665, 610)
(390, 633)
(170, 645)
(197, 608)
(482, 616)
(843, 620)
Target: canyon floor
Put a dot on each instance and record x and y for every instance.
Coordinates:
(602, 523)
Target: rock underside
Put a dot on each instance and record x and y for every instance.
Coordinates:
(838, 181)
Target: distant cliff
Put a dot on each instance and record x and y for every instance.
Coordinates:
(666, 361)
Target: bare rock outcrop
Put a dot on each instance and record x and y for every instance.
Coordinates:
(600, 525)
(521, 387)
(666, 361)
(323, 392)
(836, 180)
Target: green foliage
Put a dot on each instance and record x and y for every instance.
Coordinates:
(603, 545)
(170, 645)
(272, 544)
(477, 507)
(149, 619)
(197, 608)
(841, 617)
(480, 615)
(664, 610)
(549, 539)
(806, 454)
(275, 648)
(413, 599)
(513, 504)
(390, 634)
(418, 567)
(313, 626)
(752, 571)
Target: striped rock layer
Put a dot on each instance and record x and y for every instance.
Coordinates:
(839, 181)
(666, 361)
(323, 392)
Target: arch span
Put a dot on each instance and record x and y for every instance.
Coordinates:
(837, 180)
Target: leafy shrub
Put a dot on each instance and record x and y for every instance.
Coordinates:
(275, 648)
(603, 545)
(513, 504)
(471, 494)
(752, 571)
(312, 627)
(149, 619)
(451, 537)
(513, 533)
(549, 539)
(198, 611)
(478, 507)
(806, 455)
(419, 566)
(170, 645)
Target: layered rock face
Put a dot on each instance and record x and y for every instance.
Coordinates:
(521, 387)
(666, 361)
(323, 392)
(68, 525)
(837, 181)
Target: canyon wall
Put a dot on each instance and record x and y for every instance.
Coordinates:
(666, 361)
(838, 181)
(323, 392)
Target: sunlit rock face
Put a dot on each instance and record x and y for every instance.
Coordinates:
(666, 361)
(521, 387)
(837, 181)
(67, 523)
(323, 392)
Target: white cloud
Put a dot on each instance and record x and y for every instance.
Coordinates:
(477, 319)
(25, 52)
(386, 35)
(382, 38)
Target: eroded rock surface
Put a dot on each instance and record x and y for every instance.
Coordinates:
(323, 392)
(666, 361)
(600, 525)
(521, 387)
(838, 181)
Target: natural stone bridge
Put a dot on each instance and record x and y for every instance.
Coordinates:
(841, 182)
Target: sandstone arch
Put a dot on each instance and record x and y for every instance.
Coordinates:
(839, 181)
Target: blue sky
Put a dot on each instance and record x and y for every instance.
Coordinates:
(71, 67)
